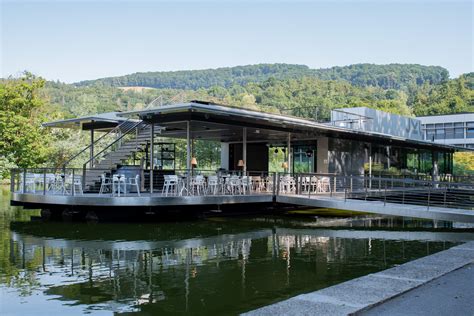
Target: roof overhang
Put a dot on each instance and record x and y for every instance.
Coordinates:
(225, 123)
(103, 121)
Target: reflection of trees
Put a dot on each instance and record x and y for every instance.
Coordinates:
(122, 280)
(216, 272)
(22, 277)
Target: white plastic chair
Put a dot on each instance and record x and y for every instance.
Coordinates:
(224, 183)
(246, 182)
(77, 185)
(324, 184)
(258, 184)
(50, 182)
(305, 184)
(28, 183)
(198, 185)
(105, 185)
(212, 185)
(234, 185)
(287, 184)
(268, 184)
(134, 182)
(170, 184)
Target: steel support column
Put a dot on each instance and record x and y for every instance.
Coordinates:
(188, 146)
(91, 154)
(435, 172)
(152, 153)
(388, 157)
(244, 148)
(370, 166)
(288, 153)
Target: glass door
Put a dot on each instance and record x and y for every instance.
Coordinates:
(304, 159)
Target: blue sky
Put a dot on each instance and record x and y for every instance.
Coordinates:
(77, 40)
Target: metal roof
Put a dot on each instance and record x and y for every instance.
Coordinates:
(241, 117)
(98, 121)
(449, 114)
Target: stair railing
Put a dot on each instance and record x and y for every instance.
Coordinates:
(114, 130)
(160, 100)
(135, 129)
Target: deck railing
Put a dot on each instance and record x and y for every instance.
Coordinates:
(429, 193)
(404, 190)
(71, 181)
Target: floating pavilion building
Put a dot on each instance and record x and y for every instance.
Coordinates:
(342, 156)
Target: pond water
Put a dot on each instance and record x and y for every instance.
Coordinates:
(218, 266)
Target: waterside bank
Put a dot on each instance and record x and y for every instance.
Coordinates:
(361, 294)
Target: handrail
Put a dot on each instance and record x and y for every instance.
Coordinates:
(112, 143)
(374, 177)
(152, 103)
(171, 100)
(95, 142)
(345, 188)
(429, 193)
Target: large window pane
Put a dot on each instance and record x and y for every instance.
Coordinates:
(439, 134)
(459, 133)
(449, 133)
(429, 134)
(470, 132)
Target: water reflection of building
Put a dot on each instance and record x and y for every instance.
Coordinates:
(142, 274)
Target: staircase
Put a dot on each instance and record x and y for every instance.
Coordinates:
(123, 150)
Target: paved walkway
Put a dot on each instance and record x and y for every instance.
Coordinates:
(451, 294)
(363, 293)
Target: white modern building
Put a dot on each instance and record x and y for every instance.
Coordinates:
(452, 129)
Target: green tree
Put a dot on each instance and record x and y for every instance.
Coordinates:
(23, 141)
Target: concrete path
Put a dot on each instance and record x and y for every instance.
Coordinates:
(451, 294)
(361, 294)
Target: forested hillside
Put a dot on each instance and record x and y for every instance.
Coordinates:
(306, 96)
(290, 89)
(303, 96)
(392, 76)
(195, 79)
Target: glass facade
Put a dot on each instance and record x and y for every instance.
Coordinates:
(304, 158)
(470, 130)
(346, 157)
(400, 160)
(449, 130)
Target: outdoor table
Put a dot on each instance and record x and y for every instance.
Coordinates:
(224, 183)
(50, 181)
(257, 183)
(62, 187)
(117, 178)
(182, 185)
